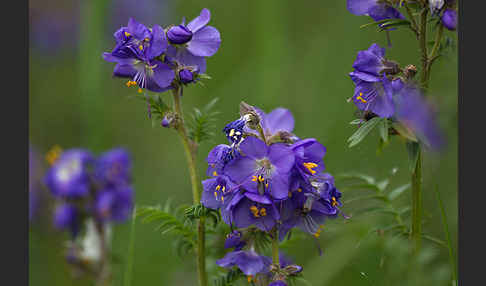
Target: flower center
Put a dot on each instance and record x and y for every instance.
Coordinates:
(258, 212)
(310, 167)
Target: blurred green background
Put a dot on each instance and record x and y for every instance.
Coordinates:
(294, 54)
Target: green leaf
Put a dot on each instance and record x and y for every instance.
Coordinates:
(383, 184)
(404, 131)
(366, 178)
(201, 122)
(394, 23)
(413, 149)
(356, 121)
(398, 191)
(384, 130)
(364, 130)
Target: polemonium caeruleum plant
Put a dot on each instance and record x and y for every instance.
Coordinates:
(266, 182)
(155, 60)
(390, 98)
(91, 193)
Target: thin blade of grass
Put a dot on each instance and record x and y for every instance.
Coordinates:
(452, 258)
(127, 280)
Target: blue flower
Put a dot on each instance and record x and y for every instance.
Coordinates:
(233, 240)
(376, 9)
(66, 217)
(449, 19)
(248, 261)
(114, 204)
(69, 177)
(113, 168)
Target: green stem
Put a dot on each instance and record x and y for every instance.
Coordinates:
(275, 256)
(412, 20)
(416, 233)
(423, 48)
(190, 150)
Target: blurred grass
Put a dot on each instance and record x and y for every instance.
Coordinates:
(273, 53)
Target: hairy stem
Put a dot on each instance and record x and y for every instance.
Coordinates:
(190, 150)
(413, 22)
(416, 233)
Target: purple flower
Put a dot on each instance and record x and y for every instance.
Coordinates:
(308, 156)
(235, 130)
(136, 55)
(69, 176)
(249, 262)
(415, 113)
(262, 169)
(249, 209)
(113, 168)
(278, 283)
(200, 40)
(233, 240)
(449, 19)
(218, 157)
(376, 9)
(66, 217)
(215, 191)
(278, 120)
(114, 204)
(376, 97)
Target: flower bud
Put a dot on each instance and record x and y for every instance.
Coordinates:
(410, 71)
(435, 6)
(250, 113)
(449, 19)
(186, 76)
(166, 121)
(179, 35)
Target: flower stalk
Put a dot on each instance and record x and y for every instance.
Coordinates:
(191, 151)
(275, 256)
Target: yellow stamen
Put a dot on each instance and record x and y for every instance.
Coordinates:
(263, 212)
(222, 199)
(318, 233)
(249, 278)
(290, 194)
(224, 189)
(359, 97)
(140, 47)
(147, 39)
(310, 166)
(140, 90)
(260, 178)
(216, 195)
(53, 154)
(254, 179)
(334, 202)
(266, 185)
(131, 83)
(232, 132)
(215, 173)
(254, 211)
(127, 34)
(299, 190)
(218, 187)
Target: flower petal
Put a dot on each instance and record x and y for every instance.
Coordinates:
(281, 156)
(162, 75)
(200, 21)
(158, 43)
(280, 119)
(360, 7)
(205, 42)
(254, 148)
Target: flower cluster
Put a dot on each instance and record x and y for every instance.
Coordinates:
(269, 180)
(384, 89)
(160, 59)
(89, 188)
(378, 10)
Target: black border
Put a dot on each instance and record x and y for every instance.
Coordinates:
(15, 148)
(472, 103)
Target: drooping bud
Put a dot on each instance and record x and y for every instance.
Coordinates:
(179, 35)
(410, 71)
(186, 76)
(435, 6)
(253, 119)
(167, 120)
(449, 19)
